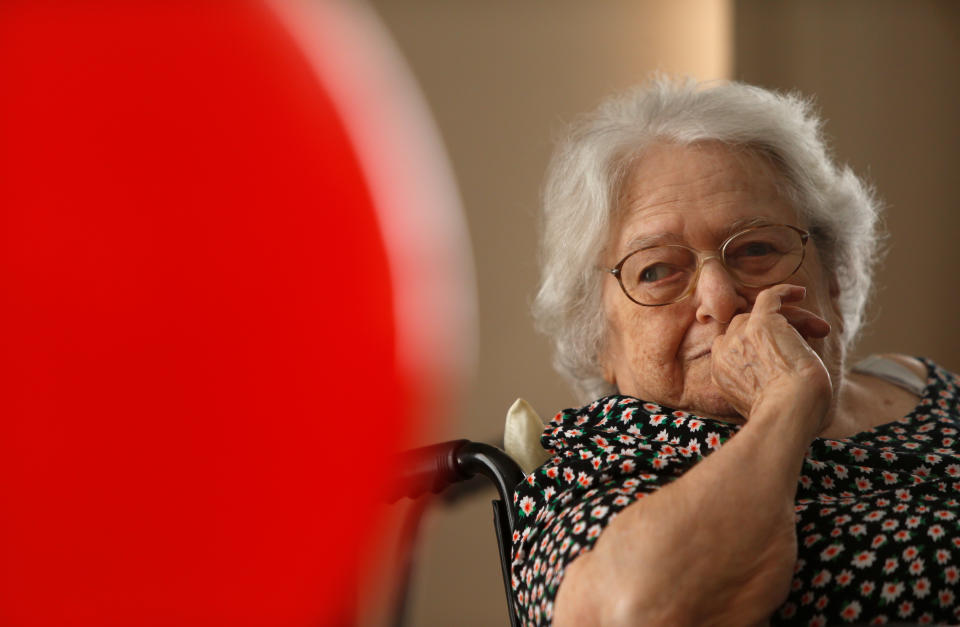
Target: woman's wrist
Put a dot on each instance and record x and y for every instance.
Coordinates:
(797, 408)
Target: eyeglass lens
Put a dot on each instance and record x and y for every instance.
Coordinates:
(755, 258)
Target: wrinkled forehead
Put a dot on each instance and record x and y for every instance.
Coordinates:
(703, 191)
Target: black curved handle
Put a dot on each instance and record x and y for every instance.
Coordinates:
(427, 469)
(475, 458)
(434, 468)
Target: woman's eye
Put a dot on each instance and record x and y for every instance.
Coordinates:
(656, 272)
(756, 249)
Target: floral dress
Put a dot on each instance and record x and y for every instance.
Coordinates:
(877, 513)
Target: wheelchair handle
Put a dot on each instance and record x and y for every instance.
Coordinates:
(434, 468)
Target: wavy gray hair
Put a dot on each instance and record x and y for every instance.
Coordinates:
(588, 168)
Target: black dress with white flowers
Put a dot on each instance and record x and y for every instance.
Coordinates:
(878, 514)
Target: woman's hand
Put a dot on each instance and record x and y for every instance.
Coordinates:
(764, 356)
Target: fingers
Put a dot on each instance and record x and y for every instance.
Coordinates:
(808, 324)
(774, 301)
(770, 300)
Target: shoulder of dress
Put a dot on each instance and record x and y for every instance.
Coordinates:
(915, 365)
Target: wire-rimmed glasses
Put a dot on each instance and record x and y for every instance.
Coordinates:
(759, 256)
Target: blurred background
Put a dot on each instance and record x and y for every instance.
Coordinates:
(503, 77)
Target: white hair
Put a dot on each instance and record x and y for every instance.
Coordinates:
(586, 174)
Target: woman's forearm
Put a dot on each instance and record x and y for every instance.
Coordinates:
(717, 545)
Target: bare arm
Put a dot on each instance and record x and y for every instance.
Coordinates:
(718, 545)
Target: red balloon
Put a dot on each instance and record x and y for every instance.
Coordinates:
(199, 349)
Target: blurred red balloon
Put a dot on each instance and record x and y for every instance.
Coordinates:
(199, 347)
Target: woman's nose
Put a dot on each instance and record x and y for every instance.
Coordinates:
(719, 297)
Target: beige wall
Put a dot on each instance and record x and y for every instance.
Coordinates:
(500, 77)
(886, 74)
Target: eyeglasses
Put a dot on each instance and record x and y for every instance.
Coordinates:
(759, 256)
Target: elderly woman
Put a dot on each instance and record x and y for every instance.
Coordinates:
(706, 267)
